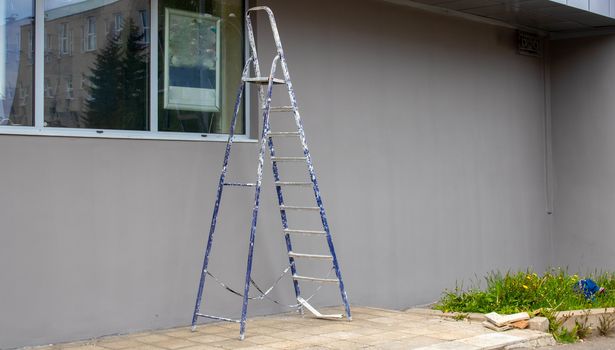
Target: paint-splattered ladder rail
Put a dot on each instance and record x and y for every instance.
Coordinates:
(265, 85)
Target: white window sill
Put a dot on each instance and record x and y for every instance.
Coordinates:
(121, 134)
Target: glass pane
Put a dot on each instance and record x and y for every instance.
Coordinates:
(16, 62)
(96, 64)
(201, 58)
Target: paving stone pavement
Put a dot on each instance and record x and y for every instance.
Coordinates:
(370, 328)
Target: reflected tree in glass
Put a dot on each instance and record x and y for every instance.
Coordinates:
(118, 83)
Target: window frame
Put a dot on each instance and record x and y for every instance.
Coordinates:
(39, 94)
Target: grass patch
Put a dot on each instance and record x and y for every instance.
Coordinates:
(528, 291)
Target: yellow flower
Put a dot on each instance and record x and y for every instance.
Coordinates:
(526, 287)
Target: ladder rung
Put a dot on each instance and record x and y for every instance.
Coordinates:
(309, 256)
(305, 232)
(315, 279)
(281, 109)
(316, 312)
(283, 133)
(237, 184)
(293, 207)
(218, 318)
(263, 80)
(289, 159)
(292, 183)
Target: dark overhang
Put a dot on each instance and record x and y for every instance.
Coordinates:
(544, 15)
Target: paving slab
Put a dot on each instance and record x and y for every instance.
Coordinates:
(371, 328)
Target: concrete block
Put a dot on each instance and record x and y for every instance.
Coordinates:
(539, 324)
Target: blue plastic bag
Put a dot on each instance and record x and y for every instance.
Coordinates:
(589, 288)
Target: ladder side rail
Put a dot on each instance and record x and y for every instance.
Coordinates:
(319, 202)
(272, 148)
(259, 180)
(214, 218)
(306, 152)
(274, 26)
(255, 62)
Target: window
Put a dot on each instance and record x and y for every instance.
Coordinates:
(23, 95)
(90, 42)
(48, 88)
(30, 45)
(69, 88)
(83, 38)
(70, 42)
(48, 43)
(48, 47)
(144, 25)
(63, 33)
(193, 100)
(109, 85)
(118, 24)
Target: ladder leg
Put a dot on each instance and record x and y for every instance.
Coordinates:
(261, 156)
(212, 227)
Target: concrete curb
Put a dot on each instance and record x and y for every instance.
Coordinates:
(497, 341)
(509, 340)
(536, 323)
(593, 317)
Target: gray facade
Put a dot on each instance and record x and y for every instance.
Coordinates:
(582, 136)
(428, 135)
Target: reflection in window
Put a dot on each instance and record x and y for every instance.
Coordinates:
(16, 69)
(48, 88)
(23, 95)
(90, 43)
(30, 45)
(118, 24)
(63, 38)
(48, 43)
(144, 25)
(69, 88)
(105, 84)
(203, 48)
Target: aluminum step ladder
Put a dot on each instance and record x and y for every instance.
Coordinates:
(266, 84)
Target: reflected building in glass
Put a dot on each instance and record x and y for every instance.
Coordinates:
(96, 59)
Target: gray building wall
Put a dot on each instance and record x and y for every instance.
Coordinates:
(428, 137)
(583, 146)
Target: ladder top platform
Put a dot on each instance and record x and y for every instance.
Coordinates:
(264, 81)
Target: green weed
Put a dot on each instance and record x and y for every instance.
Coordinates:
(460, 316)
(553, 291)
(605, 323)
